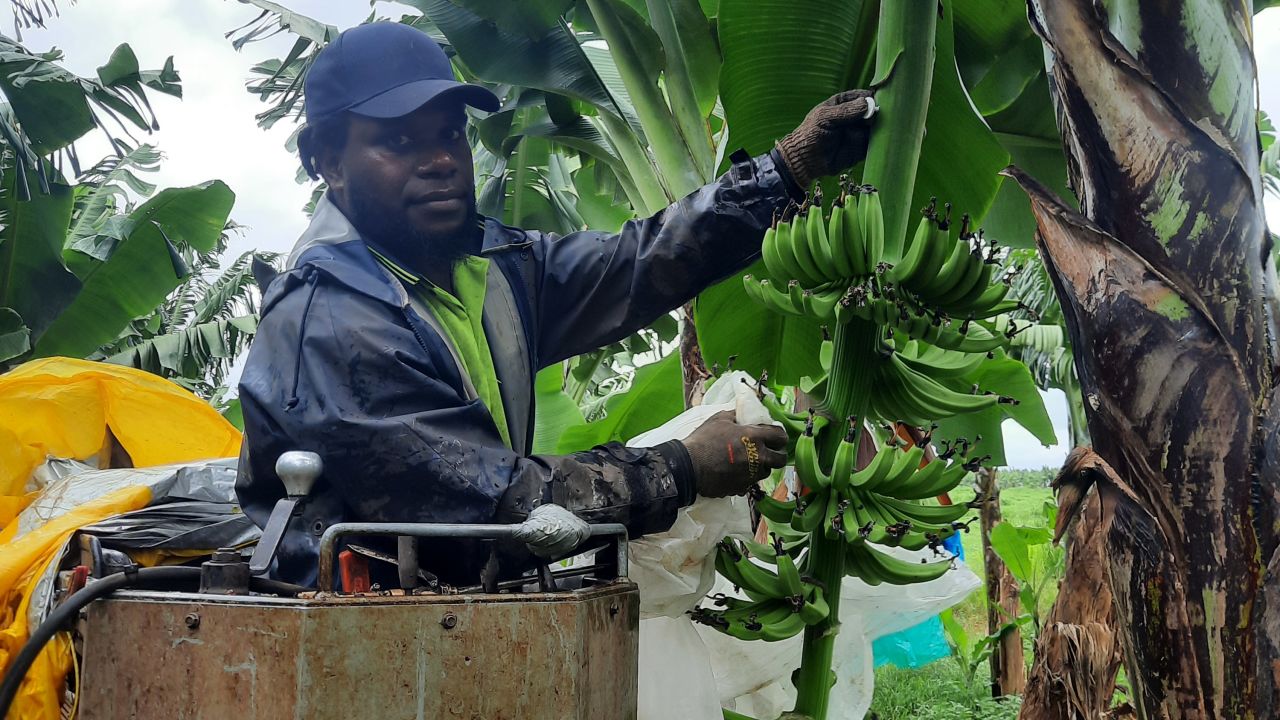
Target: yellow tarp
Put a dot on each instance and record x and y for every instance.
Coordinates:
(63, 407)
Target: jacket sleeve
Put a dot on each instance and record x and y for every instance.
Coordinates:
(597, 288)
(348, 378)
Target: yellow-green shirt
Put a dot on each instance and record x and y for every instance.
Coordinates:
(460, 319)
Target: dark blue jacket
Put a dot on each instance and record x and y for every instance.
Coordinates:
(344, 365)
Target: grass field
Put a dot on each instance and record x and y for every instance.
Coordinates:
(940, 690)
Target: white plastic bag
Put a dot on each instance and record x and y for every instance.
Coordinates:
(755, 678)
(690, 671)
(675, 569)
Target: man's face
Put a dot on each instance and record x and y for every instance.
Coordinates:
(408, 182)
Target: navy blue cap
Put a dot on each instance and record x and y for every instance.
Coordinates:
(384, 70)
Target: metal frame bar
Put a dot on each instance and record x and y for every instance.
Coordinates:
(329, 541)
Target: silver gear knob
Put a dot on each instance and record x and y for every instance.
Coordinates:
(298, 470)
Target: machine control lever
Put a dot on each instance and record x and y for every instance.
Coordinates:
(298, 470)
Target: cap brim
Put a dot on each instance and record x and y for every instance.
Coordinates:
(404, 99)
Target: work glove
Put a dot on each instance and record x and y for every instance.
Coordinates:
(832, 137)
(550, 531)
(728, 458)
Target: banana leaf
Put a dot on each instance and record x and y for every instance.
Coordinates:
(145, 267)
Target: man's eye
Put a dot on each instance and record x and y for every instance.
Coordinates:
(398, 141)
(453, 134)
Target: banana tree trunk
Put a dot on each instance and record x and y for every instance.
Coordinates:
(1167, 287)
(693, 369)
(1008, 666)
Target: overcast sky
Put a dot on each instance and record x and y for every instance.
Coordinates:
(211, 133)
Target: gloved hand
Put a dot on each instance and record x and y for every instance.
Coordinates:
(728, 458)
(550, 531)
(832, 137)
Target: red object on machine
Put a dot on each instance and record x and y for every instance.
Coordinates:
(79, 578)
(354, 571)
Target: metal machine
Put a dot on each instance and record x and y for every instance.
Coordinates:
(520, 649)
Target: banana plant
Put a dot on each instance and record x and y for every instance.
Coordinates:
(917, 309)
(1154, 278)
(79, 260)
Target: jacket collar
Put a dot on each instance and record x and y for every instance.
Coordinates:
(332, 245)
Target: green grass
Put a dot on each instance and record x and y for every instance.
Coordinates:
(1021, 506)
(938, 690)
(935, 692)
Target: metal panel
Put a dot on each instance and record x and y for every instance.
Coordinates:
(552, 656)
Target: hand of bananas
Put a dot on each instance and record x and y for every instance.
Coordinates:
(780, 602)
(943, 291)
(876, 505)
(865, 508)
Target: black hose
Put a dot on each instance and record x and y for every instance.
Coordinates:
(75, 602)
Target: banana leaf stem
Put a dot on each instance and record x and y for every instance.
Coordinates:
(904, 77)
(660, 127)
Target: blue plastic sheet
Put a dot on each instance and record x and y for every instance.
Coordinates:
(921, 644)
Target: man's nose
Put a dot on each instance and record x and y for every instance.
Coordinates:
(437, 162)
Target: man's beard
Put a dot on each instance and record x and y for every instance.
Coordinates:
(393, 232)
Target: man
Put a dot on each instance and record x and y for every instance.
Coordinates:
(402, 342)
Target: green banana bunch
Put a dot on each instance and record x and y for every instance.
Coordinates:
(906, 394)
(771, 619)
(779, 605)
(916, 322)
(816, 250)
(874, 567)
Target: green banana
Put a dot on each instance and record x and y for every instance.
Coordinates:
(841, 260)
(948, 275)
(758, 579)
(801, 248)
(903, 467)
(964, 303)
(774, 509)
(761, 551)
(871, 477)
(769, 252)
(820, 304)
(969, 278)
(807, 464)
(871, 224)
(786, 628)
(789, 574)
(791, 236)
(815, 608)
(819, 244)
(895, 571)
(772, 297)
(933, 480)
(923, 515)
(809, 510)
(855, 241)
(915, 253)
(846, 459)
(938, 362)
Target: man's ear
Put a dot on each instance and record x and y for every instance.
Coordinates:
(329, 165)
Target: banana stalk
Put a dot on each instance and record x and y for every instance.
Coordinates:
(848, 394)
(904, 67)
